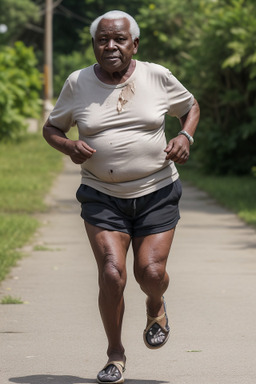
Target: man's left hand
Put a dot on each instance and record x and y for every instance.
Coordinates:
(178, 150)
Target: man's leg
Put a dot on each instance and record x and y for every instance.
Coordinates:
(110, 249)
(150, 258)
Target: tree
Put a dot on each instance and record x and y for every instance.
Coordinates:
(16, 15)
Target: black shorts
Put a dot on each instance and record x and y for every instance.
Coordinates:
(153, 213)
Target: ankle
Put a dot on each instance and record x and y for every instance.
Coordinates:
(116, 354)
(155, 308)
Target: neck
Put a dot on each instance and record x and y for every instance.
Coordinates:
(116, 77)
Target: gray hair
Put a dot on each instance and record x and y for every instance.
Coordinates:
(112, 15)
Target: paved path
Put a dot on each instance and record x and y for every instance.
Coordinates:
(57, 336)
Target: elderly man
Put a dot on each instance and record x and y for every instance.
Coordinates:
(130, 187)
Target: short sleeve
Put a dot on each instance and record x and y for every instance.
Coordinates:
(62, 114)
(179, 99)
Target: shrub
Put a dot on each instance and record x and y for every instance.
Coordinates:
(20, 84)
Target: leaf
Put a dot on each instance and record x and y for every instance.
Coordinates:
(251, 59)
(238, 31)
(232, 61)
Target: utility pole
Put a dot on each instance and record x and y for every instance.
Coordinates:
(48, 88)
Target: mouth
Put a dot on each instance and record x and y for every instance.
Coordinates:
(111, 57)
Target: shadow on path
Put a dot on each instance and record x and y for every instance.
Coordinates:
(62, 379)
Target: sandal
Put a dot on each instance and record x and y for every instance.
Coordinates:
(155, 336)
(112, 373)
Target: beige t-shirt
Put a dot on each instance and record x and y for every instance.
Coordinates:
(125, 124)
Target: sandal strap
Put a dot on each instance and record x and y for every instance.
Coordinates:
(117, 364)
(164, 329)
(156, 319)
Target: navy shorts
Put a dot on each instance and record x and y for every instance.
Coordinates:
(153, 213)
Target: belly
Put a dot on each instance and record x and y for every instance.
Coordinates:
(120, 157)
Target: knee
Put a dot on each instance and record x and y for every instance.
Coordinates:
(153, 274)
(112, 279)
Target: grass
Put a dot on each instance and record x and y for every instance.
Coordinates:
(15, 231)
(11, 300)
(44, 248)
(234, 193)
(27, 170)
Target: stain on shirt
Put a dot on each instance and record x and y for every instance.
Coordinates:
(125, 95)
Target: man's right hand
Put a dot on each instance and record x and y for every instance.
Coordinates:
(78, 151)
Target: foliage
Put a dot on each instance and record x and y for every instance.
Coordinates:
(20, 83)
(210, 46)
(166, 28)
(17, 15)
(226, 86)
(65, 64)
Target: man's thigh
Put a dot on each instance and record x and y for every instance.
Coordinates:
(108, 246)
(154, 248)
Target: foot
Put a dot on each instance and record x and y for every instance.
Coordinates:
(112, 373)
(157, 331)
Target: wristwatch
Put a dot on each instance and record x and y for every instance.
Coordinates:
(190, 138)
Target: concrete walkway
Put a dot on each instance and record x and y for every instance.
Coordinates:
(57, 336)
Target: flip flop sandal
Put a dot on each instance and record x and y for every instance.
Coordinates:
(155, 336)
(112, 373)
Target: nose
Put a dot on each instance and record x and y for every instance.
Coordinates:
(111, 44)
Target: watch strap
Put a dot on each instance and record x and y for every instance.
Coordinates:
(188, 136)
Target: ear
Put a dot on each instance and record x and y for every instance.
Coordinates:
(92, 42)
(136, 45)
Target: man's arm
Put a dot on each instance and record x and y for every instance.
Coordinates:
(78, 150)
(178, 148)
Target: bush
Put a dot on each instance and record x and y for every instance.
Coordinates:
(64, 65)
(210, 46)
(225, 66)
(20, 84)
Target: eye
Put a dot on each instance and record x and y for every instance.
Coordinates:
(120, 39)
(103, 40)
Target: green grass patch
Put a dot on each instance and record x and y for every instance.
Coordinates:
(27, 170)
(233, 192)
(45, 248)
(11, 300)
(15, 231)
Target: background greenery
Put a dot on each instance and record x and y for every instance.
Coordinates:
(20, 83)
(237, 194)
(27, 169)
(209, 45)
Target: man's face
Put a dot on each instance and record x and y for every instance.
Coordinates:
(113, 45)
